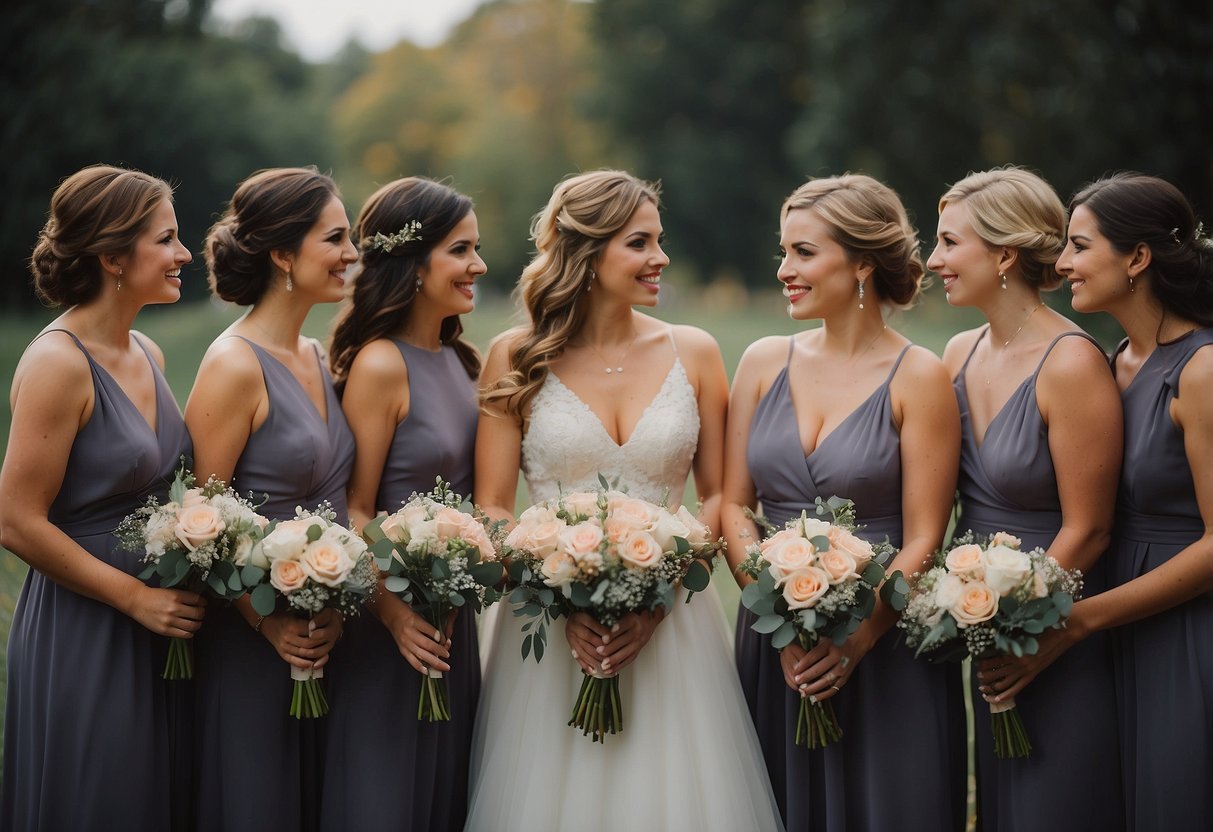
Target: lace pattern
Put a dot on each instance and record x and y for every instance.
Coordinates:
(566, 445)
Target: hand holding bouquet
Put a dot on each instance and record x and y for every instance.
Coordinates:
(199, 540)
(816, 579)
(606, 554)
(313, 564)
(437, 559)
(984, 599)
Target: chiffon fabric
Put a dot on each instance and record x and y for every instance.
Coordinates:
(89, 741)
(903, 772)
(687, 758)
(1072, 778)
(258, 767)
(389, 770)
(1165, 662)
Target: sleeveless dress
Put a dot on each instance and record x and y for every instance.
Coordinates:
(259, 767)
(1072, 779)
(391, 771)
(888, 772)
(687, 758)
(1164, 662)
(87, 742)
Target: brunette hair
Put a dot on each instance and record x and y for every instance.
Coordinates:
(570, 234)
(1131, 209)
(98, 210)
(867, 219)
(1014, 207)
(385, 287)
(272, 210)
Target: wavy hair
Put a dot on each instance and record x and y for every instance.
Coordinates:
(98, 210)
(867, 219)
(1014, 207)
(1133, 208)
(570, 234)
(386, 286)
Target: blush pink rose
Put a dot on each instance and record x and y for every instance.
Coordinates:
(559, 569)
(838, 564)
(287, 576)
(789, 551)
(977, 603)
(637, 514)
(965, 560)
(640, 549)
(855, 546)
(197, 524)
(803, 587)
(581, 539)
(584, 503)
(326, 562)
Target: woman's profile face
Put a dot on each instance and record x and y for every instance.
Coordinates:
(1098, 274)
(318, 267)
(631, 264)
(153, 267)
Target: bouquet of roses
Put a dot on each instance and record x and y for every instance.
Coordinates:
(987, 598)
(312, 563)
(437, 559)
(816, 579)
(607, 554)
(199, 540)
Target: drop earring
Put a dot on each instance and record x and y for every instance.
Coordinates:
(120, 280)
(861, 294)
(589, 284)
(290, 284)
(1131, 289)
(1003, 277)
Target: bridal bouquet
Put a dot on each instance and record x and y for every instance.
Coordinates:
(199, 540)
(312, 563)
(816, 579)
(438, 559)
(607, 554)
(988, 598)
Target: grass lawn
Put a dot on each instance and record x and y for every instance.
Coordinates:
(185, 330)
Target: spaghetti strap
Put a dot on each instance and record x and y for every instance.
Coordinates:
(791, 349)
(669, 331)
(897, 363)
(70, 334)
(969, 357)
(1053, 343)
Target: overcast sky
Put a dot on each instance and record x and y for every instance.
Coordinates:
(318, 29)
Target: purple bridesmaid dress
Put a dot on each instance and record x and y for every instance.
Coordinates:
(258, 767)
(1072, 779)
(88, 743)
(391, 771)
(888, 772)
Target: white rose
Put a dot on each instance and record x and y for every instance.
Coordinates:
(558, 569)
(288, 539)
(948, 590)
(698, 534)
(193, 497)
(811, 527)
(423, 533)
(669, 527)
(326, 562)
(395, 529)
(1006, 568)
(242, 550)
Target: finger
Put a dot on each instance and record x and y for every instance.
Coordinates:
(429, 660)
(809, 670)
(596, 627)
(621, 642)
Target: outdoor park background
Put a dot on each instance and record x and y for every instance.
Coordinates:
(730, 103)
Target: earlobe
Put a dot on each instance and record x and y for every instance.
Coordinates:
(1008, 259)
(112, 263)
(284, 261)
(1140, 260)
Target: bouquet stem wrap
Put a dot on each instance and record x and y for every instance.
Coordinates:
(1010, 736)
(599, 708)
(307, 695)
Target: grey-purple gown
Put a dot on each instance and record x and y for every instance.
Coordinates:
(391, 771)
(87, 742)
(1072, 779)
(259, 767)
(1164, 662)
(901, 761)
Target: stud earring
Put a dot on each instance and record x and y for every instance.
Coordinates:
(1003, 276)
(861, 294)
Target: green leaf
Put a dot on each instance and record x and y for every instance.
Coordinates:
(440, 569)
(519, 595)
(148, 572)
(395, 583)
(263, 599)
(251, 575)
(681, 547)
(456, 600)
(177, 490)
(313, 532)
(766, 581)
(784, 636)
(820, 542)
(808, 619)
(768, 624)
(517, 571)
(486, 573)
(540, 645)
(526, 646)
(697, 578)
(579, 594)
(606, 486)
(167, 567)
(382, 551)
(873, 573)
(751, 593)
(547, 597)
(373, 531)
(216, 584)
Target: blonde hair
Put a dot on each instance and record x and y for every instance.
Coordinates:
(867, 219)
(1014, 207)
(570, 234)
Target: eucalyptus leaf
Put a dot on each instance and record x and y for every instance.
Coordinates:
(784, 636)
(767, 624)
(697, 578)
(373, 531)
(440, 569)
(396, 583)
(263, 599)
(251, 575)
(313, 532)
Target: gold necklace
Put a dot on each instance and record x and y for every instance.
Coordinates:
(619, 364)
(1014, 335)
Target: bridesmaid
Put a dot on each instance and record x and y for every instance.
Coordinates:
(265, 417)
(1041, 453)
(95, 431)
(874, 420)
(1136, 251)
(410, 398)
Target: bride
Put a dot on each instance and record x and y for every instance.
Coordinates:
(592, 387)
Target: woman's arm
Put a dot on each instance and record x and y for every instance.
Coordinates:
(52, 400)
(498, 442)
(712, 388)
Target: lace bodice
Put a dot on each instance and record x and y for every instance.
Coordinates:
(566, 446)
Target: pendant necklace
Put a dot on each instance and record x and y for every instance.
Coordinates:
(618, 368)
(1015, 335)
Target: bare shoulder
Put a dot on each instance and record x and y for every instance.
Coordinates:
(1075, 359)
(231, 361)
(379, 363)
(958, 348)
(1197, 378)
(151, 346)
(497, 363)
(766, 356)
(922, 368)
(54, 361)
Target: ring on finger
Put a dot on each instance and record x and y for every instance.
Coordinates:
(836, 689)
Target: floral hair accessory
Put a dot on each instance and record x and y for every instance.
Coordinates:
(387, 243)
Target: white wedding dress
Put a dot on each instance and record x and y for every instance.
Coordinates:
(688, 757)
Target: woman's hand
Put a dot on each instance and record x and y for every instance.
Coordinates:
(420, 642)
(585, 635)
(624, 641)
(168, 612)
(1002, 678)
(302, 642)
(822, 672)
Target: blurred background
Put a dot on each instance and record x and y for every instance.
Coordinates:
(730, 103)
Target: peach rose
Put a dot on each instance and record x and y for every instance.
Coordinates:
(803, 587)
(584, 503)
(326, 562)
(581, 539)
(449, 523)
(966, 560)
(789, 551)
(640, 549)
(637, 514)
(543, 538)
(473, 532)
(615, 530)
(859, 549)
(395, 529)
(977, 603)
(1006, 568)
(287, 576)
(838, 564)
(559, 569)
(698, 534)
(538, 513)
(1005, 539)
(198, 524)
